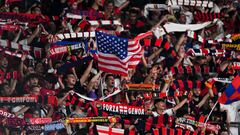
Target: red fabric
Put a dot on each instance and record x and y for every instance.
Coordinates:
(147, 42)
(158, 42)
(167, 45)
(45, 92)
(117, 11)
(28, 115)
(91, 10)
(1, 75)
(140, 24)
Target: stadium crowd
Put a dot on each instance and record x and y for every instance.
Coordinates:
(175, 86)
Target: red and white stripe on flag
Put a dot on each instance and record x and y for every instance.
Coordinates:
(103, 130)
(134, 50)
(111, 63)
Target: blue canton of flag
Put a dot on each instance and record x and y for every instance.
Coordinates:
(112, 45)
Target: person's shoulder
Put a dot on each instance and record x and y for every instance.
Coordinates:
(155, 114)
(169, 111)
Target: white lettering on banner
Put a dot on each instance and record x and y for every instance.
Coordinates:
(6, 114)
(18, 99)
(236, 63)
(13, 100)
(115, 108)
(104, 106)
(53, 127)
(77, 46)
(22, 99)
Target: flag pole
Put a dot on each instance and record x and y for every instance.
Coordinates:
(205, 123)
(101, 85)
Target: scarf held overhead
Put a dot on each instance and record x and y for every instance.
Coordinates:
(90, 119)
(195, 3)
(174, 27)
(18, 101)
(122, 109)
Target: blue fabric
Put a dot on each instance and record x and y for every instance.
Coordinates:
(64, 43)
(230, 90)
(109, 44)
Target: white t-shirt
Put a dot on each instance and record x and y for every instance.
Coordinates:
(169, 112)
(233, 115)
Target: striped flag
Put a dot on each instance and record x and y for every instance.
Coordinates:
(176, 131)
(117, 55)
(232, 92)
(103, 130)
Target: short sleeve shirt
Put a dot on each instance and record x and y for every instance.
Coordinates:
(169, 112)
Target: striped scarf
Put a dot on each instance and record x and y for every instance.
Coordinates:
(75, 101)
(203, 17)
(15, 54)
(57, 37)
(183, 85)
(156, 122)
(159, 42)
(195, 3)
(176, 131)
(75, 20)
(168, 94)
(22, 17)
(202, 40)
(174, 27)
(190, 70)
(206, 52)
(27, 49)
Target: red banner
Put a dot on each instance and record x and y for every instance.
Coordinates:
(39, 121)
(6, 114)
(122, 109)
(91, 119)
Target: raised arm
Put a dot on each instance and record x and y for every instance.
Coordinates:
(94, 79)
(17, 36)
(21, 66)
(32, 36)
(86, 73)
(199, 105)
(154, 55)
(180, 105)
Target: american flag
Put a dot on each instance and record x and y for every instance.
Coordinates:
(103, 130)
(117, 55)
